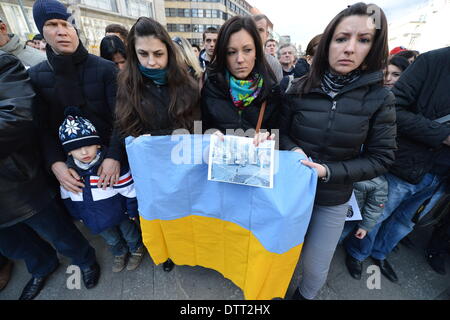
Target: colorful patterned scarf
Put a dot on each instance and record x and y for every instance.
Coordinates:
(244, 92)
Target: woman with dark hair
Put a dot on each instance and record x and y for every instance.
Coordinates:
(341, 117)
(394, 70)
(155, 95)
(113, 49)
(239, 81)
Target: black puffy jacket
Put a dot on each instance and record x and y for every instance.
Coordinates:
(332, 131)
(423, 94)
(98, 78)
(160, 121)
(219, 112)
(23, 186)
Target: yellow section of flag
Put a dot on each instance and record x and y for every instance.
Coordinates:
(225, 247)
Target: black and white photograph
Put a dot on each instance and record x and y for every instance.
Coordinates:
(237, 160)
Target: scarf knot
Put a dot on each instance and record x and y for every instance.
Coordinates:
(244, 92)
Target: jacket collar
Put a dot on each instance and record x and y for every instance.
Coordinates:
(364, 80)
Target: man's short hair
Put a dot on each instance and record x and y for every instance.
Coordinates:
(209, 30)
(117, 28)
(271, 40)
(260, 17)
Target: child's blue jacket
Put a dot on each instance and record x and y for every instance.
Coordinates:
(101, 209)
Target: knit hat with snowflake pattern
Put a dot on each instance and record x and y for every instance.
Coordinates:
(76, 131)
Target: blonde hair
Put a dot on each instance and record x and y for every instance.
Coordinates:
(188, 55)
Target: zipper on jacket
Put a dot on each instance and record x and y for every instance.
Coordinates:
(332, 113)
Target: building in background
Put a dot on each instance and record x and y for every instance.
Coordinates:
(190, 18)
(425, 29)
(92, 16)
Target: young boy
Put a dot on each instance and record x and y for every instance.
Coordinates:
(105, 212)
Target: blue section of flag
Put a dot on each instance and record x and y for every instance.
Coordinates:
(171, 181)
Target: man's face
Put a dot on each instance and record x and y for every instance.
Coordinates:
(4, 38)
(61, 36)
(210, 43)
(271, 48)
(261, 25)
(287, 56)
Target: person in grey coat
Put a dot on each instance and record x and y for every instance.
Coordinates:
(11, 43)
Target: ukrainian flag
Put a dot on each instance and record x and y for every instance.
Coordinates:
(253, 236)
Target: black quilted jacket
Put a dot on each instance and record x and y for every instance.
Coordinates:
(333, 130)
(98, 78)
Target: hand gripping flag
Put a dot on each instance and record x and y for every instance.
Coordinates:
(253, 236)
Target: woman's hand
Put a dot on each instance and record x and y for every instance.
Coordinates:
(68, 178)
(261, 137)
(109, 172)
(321, 171)
(360, 233)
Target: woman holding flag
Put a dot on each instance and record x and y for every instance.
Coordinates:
(239, 82)
(155, 93)
(341, 117)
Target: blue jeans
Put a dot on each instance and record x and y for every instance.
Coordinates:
(24, 240)
(123, 238)
(395, 223)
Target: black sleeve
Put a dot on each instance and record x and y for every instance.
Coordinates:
(411, 123)
(16, 97)
(286, 143)
(116, 149)
(49, 143)
(207, 122)
(379, 149)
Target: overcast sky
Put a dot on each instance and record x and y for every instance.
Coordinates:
(302, 20)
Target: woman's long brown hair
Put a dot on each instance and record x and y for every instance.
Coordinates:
(132, 113)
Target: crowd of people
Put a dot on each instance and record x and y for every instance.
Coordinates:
(369, 121)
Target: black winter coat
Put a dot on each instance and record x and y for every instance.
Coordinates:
(161, 123)
(422, 95)
(98, 79)
(24, 189)
(219, 112)
(332, 131)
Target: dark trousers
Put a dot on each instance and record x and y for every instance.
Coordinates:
(440, 239)
(3, 261)
(25, 241)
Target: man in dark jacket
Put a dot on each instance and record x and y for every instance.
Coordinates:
(73, 77)
(422, 160)
(28, 207)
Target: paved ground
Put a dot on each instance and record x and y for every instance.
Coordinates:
(150, 282)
